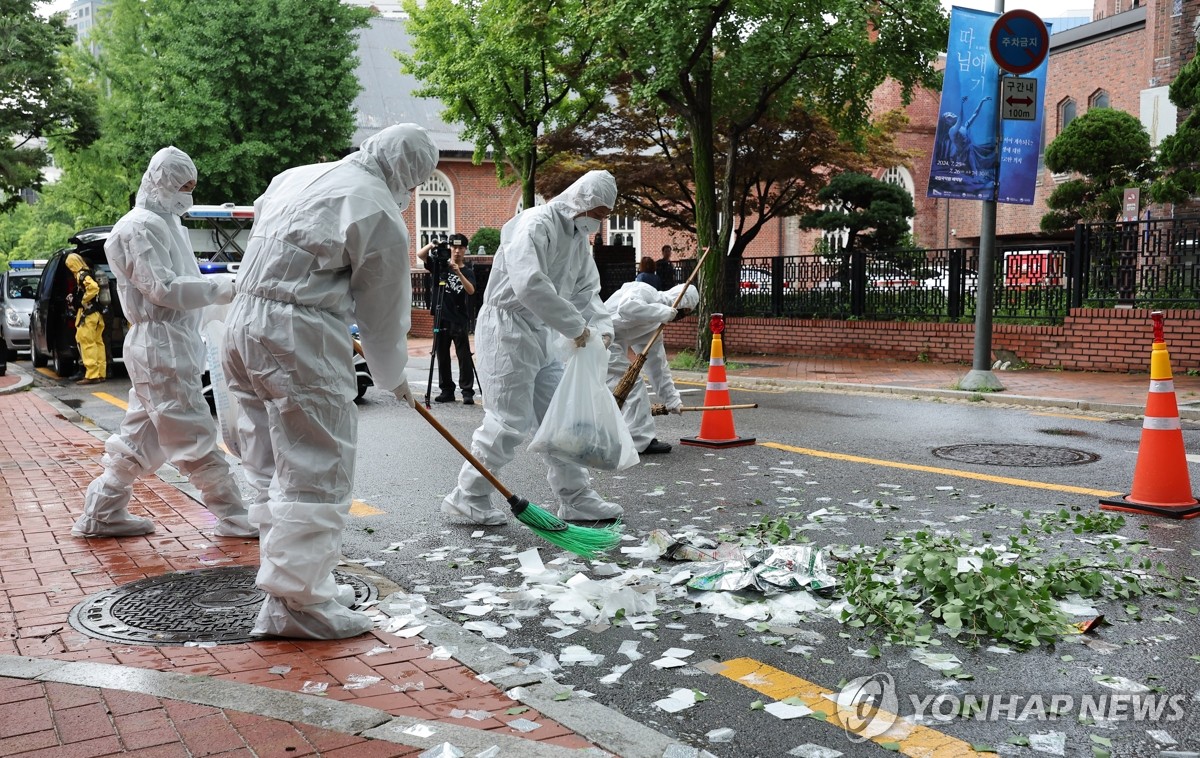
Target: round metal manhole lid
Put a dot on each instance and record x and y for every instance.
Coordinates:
(1015, 455)
(216, 605)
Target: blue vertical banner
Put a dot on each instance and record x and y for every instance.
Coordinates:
(964, 162)
(1020, 145)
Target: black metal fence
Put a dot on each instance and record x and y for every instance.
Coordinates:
(1146, 264)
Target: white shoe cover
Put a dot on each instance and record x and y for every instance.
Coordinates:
(462, 508)
(345, 595)
(126, 525)
(236, 526)
(590, 508)
(324, 621)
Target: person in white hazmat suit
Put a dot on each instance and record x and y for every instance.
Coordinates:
(637, 310)
(543, 280)
(163, 295)
(329, 246)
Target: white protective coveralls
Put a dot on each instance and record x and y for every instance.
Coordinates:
(329, 247)
(163, 295)
(637, 310)
(543, 280)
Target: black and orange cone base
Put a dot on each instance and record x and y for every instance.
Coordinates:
(1161, 486)
(716, 426)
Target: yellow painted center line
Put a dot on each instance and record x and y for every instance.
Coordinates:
(913, 740)
(945, 471)
(1067, 415)
(113, 399)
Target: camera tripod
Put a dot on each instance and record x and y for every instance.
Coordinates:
(438, 336)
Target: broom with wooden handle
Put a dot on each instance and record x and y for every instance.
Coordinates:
(625, 386)
(658, 409)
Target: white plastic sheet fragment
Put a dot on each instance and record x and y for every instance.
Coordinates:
(677, 652)
(360, 681)
(1051, 743)
(490, 630)
(679, 700)
(281, 670)
(1161, 737)
(785, 711)
(444, 750)
(491, 752)
(724, 734)
(617, 671)
(629, 649)
(936, 661)
(809, 750)
(420, 730)
(524, 725)
(667, 663)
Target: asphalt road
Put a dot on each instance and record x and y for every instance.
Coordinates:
(850, 469)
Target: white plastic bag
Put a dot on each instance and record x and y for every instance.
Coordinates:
(229, 410)
(583, 425)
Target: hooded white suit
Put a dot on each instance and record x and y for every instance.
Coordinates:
(163, 295)
(329, 246)
(637, 310)
(543, 280)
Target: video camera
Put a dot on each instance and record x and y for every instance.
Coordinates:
(441, 250)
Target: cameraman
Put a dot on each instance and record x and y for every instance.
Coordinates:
(452, 285)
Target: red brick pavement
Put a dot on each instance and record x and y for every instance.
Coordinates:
(46, 463)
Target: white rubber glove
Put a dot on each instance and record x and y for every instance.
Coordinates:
(582, 339)
(225, 292)
(404, 394)
(676, 409)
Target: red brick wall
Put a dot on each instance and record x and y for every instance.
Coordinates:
(1109, 340)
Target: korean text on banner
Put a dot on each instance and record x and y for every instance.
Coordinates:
(1020, 145)
(964, 154)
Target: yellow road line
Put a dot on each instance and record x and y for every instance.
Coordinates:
(945, 471)
(1068, 415)
(46, 371)
(113, 399)
(780, 685)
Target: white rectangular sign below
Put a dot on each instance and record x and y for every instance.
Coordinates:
(1018, 98)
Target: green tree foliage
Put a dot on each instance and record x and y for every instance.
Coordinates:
(1179, 154)
(1110, 151)
(34, 231)
(873, 214)
(723, 68)
(507, 70)
(485, 237)
(246, 89)
(37, 99)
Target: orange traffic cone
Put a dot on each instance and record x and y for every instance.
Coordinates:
(716, 427)
(1160, 479)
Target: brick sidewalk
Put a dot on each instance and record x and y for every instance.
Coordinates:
(46, 463)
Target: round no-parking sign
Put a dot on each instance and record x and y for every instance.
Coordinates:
(1019, 41)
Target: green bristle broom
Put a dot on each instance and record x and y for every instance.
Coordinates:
(586, 542)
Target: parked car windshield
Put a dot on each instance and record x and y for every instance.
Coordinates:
(22, 286)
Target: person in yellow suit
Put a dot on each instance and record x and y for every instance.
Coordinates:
(89, 322)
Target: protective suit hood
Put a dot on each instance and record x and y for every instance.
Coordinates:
(592, 190)
(169, 170)
(75, 263)
(691, 298)
(404, 154)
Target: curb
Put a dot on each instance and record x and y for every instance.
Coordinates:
(599, 724)
(1191, 414)
(23, 381)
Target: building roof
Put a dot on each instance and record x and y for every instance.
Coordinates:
(387, 98)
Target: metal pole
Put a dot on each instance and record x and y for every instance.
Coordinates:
(981, 377)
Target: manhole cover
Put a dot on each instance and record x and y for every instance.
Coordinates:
(1014, 455)
(216, 605)
(1185, 425)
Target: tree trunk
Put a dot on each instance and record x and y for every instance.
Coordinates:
(711, 279)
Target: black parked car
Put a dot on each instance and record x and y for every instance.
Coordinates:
(52, 325)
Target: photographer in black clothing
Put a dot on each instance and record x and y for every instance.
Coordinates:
(452, 285)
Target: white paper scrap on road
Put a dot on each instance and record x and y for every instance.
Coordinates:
(524, 725)
(1074, 605)
(410, 632)
(668, 663)
(420, 730)
(360, 681)
(279, 670)
(477, 610)
(444, 750)
(679, 700)
(677, 652)
(617, 671)
(442, 653)
(936, 661)
(809, 750)
(1161, 737)
(1120, 684)
(531, 561)
(314, 688)
(724, 734)
(488, 629)
(782, 710)
(1051, 743)
(629, 650)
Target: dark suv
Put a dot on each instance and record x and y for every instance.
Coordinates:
(52, 326)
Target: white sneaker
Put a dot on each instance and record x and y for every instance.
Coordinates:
(126, 525)
(469, 509)
(590, 509)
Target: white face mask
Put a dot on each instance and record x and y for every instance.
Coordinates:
(181, 202)
(587, 225)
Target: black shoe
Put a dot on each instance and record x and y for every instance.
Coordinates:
(76, 376)
(468, 400)
(445, 397)
(656, 448)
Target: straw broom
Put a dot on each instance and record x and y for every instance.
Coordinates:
(625, 386)
(659, 409)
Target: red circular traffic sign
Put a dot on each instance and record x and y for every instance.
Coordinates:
(1019, 41)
